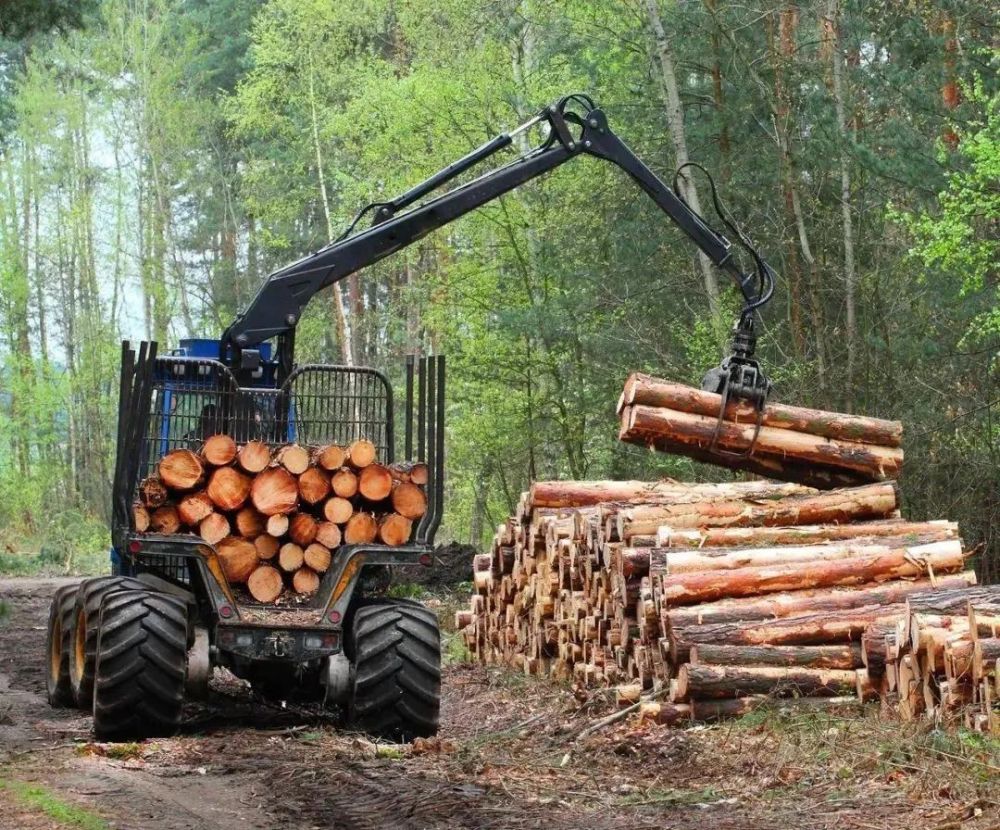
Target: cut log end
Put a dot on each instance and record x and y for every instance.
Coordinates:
(344, 483)
(361, 453)
(302, 528)
(214, 528)
(394, 530)
(181, 470)
(293, 458)
(238, 557)
(219, 450)
(290, 557)
(274, 491)
(265, 584)
(338, 510)
(409, 500)
(305, 581)
(314, 485)
(331, 457)
(375, 482)
(254, 456)
(228, 488)
(361, 529)
(317, 557)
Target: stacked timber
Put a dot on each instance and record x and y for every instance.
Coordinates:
(711, 595)
(941, 659)
(276, 517)
(789, 443)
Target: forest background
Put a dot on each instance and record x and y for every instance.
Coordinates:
(159, 157)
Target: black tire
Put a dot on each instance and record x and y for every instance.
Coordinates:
(83, 645)
(396, 651)
(57, 647)
(141, 666)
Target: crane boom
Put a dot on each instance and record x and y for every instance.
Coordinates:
(576, 128)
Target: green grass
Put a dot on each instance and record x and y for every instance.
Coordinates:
(91, 563)
(407, 590)
(41, 800)
(671, 796)
(4, 610)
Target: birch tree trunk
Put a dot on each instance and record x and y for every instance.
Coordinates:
(340, 313)
(675, 118)
(850, 277)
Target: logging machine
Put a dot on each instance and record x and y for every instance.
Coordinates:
(131, 646)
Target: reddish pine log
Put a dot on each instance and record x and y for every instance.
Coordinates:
(649, 391)
(846, 657)
(687, 433)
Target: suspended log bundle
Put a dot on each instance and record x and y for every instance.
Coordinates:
(822, 449)
(276, 517)
(716, 597)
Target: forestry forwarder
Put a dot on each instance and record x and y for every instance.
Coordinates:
(131, 646)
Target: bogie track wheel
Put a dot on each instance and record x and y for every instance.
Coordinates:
(141, 665)
(396, 651)
(86, 615)
(59, 640)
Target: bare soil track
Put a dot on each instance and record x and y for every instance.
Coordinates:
(505, 759)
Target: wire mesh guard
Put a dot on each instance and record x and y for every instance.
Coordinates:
(194, 399)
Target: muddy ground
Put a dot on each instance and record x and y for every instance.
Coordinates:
(506, 758)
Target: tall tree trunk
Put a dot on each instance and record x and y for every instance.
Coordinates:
(850, 277)
(344, 334)
(678, 136)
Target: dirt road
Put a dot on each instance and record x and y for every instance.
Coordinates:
(505, 760)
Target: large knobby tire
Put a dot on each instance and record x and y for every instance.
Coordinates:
(396, 651)
(86, 615)
(141, 666)
(57, 647)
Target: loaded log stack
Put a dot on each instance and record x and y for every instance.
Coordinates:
(275, 517)
(702, 600)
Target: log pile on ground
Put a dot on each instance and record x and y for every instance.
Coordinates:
(941, 659)
(711, 597)
(275, 518)
(821, 449)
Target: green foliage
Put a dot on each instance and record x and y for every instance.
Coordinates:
(159, 163)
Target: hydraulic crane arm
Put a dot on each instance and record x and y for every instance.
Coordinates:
(576, 127)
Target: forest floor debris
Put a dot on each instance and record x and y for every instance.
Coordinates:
(505, 758)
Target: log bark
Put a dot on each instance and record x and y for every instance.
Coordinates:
(302, 529)
(344, 483)
(277, 525)
(267, 546)
(338, 510)
(305, 581)
(394, 530)
(265, 584)
(650, 391)
(668, 561)
(328, 534)
(181, 470)
(409, 500)
(871, 501)
(254, 456)
(709, 711)
(250, 523)
(317, 557)
(746, 537)
(874, 647)
(687, 433)
(152, 493)
(360, 529)
(228, 488)
(564, 494)
(165, 519)
(814, 601)
(846, 657)
(238, 558)
(410, 472)
(666, 714)
(880, 566)
(293, 458)
(361, 453)
(956, 601)
(274, 491)
(809, 629)
(314, 485)
(219, 450)
(194, 507)
(701, 682)
(290, 557)
(375, 482)
(331, 457)
(214, 528)
(140, 518)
